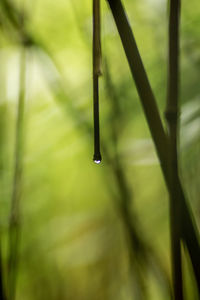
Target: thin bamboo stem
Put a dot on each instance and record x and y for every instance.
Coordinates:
(172, 120)
(189, 231)
(2, 279)
(96, 74)
(14, 222)
(2, 169)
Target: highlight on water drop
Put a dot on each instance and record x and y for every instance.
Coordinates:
(97, 158)
(97, 161)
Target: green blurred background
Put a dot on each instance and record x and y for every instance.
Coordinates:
(93, 231)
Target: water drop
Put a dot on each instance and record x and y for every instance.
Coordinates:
(97, 161)
(97, 158)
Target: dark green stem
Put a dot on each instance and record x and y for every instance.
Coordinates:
(172, 120)
(2, 278)
(96, 74)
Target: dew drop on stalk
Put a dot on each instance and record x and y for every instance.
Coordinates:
(97, 158)
(97, 161)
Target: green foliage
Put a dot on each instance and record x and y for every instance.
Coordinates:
(87, 231)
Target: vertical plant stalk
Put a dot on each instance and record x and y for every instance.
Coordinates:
(2, 279)
(171, 115)
(189, 232)
(3, 128)
(1, 276)
(14, 222)
(96, 74)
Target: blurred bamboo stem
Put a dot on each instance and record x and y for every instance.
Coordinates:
(2, 283)
(189, 231)
(171, 115)
(14, 221)
(3, 128)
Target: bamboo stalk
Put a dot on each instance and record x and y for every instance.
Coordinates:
(2, 279)
(189, 232)
(171, 115)
(14, 222)
(96, 74)
(2, 156)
